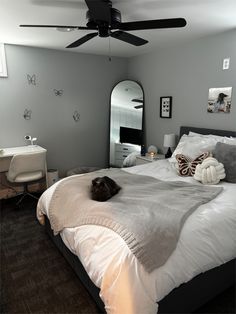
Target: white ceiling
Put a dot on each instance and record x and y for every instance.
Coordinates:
(204, 17)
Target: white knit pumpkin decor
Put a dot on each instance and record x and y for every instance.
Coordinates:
(210, 171)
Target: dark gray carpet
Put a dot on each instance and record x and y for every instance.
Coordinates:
(35, 278)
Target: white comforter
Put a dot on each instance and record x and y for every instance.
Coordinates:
(207, 240)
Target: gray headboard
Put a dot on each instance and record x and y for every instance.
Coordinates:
(186, 129)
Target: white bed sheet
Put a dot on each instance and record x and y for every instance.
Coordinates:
(207, 240)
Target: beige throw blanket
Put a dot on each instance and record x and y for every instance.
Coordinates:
(147, 213)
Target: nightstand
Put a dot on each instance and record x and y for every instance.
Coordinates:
(122, 151)
(140, 160)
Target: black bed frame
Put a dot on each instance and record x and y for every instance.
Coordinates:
(189, 296)
(187, 129)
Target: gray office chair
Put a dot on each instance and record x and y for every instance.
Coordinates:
(26, 168)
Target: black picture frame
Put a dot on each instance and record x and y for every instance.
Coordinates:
(166, 107)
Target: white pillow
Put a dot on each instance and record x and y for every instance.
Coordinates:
(230, 140)
(194, 133)
(193, 146)
(130, 160)
(223, 139)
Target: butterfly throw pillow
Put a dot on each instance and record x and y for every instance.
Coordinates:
(187, 165)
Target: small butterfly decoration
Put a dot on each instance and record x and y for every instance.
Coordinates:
(58, 92)
(31, 79)
(76, 116)
(27, 114)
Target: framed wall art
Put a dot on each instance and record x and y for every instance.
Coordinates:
(219, 100)
(166, 107)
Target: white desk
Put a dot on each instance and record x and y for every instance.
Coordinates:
(6, 155)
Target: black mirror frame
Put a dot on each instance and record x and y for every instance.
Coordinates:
(143, 117)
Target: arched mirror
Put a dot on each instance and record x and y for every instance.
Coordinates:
(126, 121)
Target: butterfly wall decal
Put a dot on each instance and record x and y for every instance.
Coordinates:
(31, 79)
(58, 92)
(27, 114)
(76, 116)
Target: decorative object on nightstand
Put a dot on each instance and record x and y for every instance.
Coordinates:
(152, 150)
(143, 150)
(140, 160)
(169, 141)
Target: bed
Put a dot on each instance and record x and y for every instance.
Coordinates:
(190, 277)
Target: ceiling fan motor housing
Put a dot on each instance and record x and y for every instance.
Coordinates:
(104, 27)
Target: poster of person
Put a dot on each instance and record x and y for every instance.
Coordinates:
(219, 100)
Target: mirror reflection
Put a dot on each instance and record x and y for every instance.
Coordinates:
(126, 121)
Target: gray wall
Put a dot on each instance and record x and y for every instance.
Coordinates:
(86, 80)
(186, 73)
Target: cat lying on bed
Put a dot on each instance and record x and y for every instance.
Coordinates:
(103, 188)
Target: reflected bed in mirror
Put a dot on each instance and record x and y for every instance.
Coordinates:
(126, 121)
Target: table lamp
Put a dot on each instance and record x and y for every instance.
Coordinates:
(169, 141)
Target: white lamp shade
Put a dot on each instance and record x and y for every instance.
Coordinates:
(169, 140)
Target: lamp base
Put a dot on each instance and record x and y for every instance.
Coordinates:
(168, 153)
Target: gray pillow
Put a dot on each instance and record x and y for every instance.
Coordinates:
(226, 154)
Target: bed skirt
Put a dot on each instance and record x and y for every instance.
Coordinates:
(187, 298)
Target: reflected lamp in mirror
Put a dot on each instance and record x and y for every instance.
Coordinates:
(169, 141)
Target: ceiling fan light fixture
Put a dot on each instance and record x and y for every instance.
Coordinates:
(64, 29)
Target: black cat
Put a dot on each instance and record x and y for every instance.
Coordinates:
(103, 188)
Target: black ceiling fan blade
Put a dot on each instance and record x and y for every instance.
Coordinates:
(129, 38)
(153, 24)
(82, 40)
(137, 100)
(56, 26)
(100, 10)
(138, 107)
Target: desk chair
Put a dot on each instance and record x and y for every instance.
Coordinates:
(26, 168)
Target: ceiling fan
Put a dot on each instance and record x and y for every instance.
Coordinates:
(138, 100)
(104, 19)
